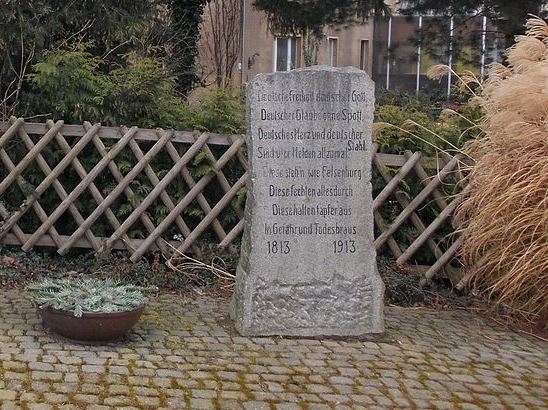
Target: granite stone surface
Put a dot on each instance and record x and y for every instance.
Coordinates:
(307, 266)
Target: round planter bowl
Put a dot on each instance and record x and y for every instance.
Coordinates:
(91, 327)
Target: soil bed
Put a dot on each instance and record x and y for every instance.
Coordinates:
(18, 268)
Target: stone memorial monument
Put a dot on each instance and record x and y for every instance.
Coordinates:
(307, 266)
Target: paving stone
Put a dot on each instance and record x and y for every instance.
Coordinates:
(15, 366)
(470, 406)
(41, 366)
(359, 398)
(86, 398)
(200, 404)
(216, 370)
(275, 377)
(40, 387)
(55, 398)
(169, 373)
(112, 379)
(463, 378)
(118, 370)
(138, 380)
(71, 378)
(335, 398)
(204, 394)
(118, 401)
(256, 405)
(15, 375)
(316, 406)
(118, 389)
(146, 391)
(89, 368)
(39, 406)
(443, 405)
(9, 405)
(384, 401)
(51, 376)
(146, 401)
(32, 397)
(232, 395)
(88, 388)
(340, 380)
(7, 395)
(287, 406)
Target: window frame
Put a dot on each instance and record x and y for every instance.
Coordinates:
(330, 41)
(364, 57)
(292, 42)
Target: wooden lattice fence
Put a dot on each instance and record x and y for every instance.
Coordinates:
(89, 186)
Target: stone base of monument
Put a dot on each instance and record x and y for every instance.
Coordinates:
(336, 307)
(307, 265)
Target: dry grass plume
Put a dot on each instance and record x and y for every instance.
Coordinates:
(505, 215)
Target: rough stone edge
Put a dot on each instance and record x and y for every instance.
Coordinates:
(242, 297)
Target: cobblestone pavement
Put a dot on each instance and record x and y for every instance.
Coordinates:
(185, 354)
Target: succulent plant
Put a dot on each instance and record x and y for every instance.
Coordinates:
(87, 294)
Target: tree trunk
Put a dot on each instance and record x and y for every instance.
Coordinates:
(310, 48)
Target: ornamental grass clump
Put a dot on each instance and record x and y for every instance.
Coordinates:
(504, 217)
(86, 295)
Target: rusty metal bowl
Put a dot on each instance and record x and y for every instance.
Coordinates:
(91, 327)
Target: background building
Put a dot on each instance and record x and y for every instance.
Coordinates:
(265, 51)
(261, 50)
(406, 46)
(396, 52)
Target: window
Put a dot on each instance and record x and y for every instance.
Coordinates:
(364, 54)
(332, 46)
(285, 53)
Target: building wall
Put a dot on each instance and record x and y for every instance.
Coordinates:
(398, 57)
(349, 40)
(258, 56)
(258, 43)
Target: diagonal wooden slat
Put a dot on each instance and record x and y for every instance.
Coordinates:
(29, 157)
(97, 169)
(164, 196)
(151, 197)
(203, 225)
(423, 175)
(393, 182)
(122, 186)
(10, 131)
(379, 220)
(25, 187)
(187, 199)
(404, 203)
(92, 188)
(200, 198)
(436, 223)
(17, 232)
(232, 235)
(417, 201)
(442, 260)
(382, 226)
(223, 181)
(51, 179)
